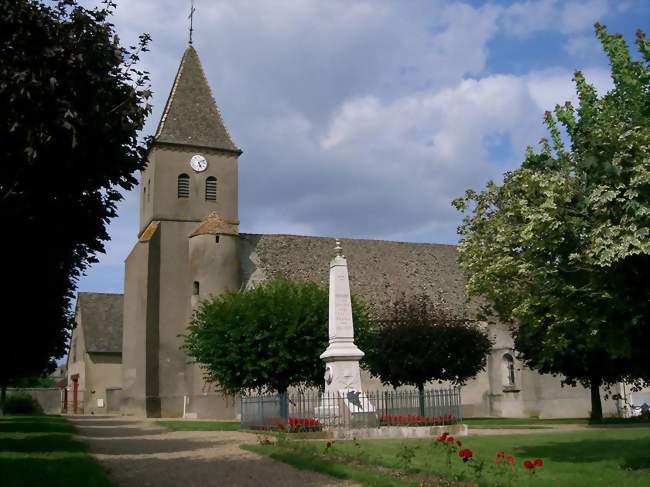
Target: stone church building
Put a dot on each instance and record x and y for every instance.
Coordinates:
(189, 247)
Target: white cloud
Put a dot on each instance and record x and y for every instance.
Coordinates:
(525, 18)
(356, 118)
(555, 86)
(437, 143)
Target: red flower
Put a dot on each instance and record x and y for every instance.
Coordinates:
(529, 465)
(539, 462)
(465, 454)
(501, 454)
(450, 439)
(511, 459)
(443, 437)
(497, 461)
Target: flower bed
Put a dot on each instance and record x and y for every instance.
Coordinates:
(295, 425)
(413, 420)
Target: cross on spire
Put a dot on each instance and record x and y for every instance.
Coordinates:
(191, 17)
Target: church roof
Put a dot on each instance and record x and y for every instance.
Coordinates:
(191, 116)
(213, 224)
(101, 319)
(379, 270)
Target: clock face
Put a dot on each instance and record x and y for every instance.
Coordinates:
(198, 163)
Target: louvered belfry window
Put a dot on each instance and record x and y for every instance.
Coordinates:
(183, 186)
(211, 189)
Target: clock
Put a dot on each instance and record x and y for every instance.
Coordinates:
(198, 163)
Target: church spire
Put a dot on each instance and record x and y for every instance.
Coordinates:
(191, 116)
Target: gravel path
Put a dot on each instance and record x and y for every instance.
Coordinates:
(142, 454)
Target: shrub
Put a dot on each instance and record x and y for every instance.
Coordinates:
(21, 403)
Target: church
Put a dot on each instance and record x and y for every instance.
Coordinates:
(189, 247)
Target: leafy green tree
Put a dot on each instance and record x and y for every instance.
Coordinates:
(267, 338)
(561, 249)
(72, 101)
(416, 341)
(38, 381)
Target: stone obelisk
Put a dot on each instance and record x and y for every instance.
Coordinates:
(342, 373)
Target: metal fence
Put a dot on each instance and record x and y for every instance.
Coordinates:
(316, 411)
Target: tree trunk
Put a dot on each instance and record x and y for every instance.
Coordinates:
(3, 398)
(421, 394)
(596, 404)
(284, 404)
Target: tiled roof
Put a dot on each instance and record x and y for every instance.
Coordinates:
(191, 116)
(379, 270)
(149, 232)
(213, 224)
(101, 318)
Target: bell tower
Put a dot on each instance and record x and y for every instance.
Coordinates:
(188, 237)
(192, 168)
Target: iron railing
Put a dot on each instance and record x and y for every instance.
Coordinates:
(313, 410)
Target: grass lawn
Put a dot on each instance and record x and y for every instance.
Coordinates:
(343, 471)
(612, 457)
(40, 451)
(507, 422)
(508, 427)
(185, 425)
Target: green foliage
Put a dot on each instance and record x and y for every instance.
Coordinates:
(21, 403)
(72, 101)
(405, 455)
(416, 341)
(265, 339)
(561, 249)
(35, 381)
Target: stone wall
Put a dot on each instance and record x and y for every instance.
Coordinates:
(48, 399)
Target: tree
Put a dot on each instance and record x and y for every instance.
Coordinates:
(561, 249)
(416, 342)
(268, 338)
(72, 101)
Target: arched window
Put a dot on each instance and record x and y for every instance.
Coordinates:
(183, 186)
(508, 367)
(211, 189)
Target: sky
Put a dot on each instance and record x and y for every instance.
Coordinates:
(366, 118)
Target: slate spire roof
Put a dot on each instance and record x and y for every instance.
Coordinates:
(191, 116)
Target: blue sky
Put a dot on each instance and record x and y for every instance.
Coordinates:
(366, 118)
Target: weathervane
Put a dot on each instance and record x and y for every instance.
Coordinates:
(191, 17)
